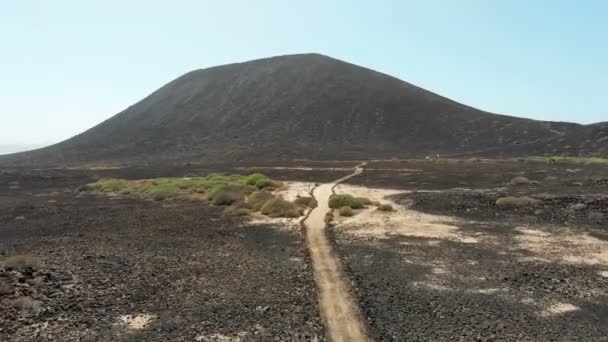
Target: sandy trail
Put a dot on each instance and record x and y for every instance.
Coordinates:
(338, 309)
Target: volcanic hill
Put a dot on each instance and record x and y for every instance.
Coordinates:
(308, 106)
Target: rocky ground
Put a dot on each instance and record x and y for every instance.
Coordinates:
(464, 269)
(447, 264)
(120, 269)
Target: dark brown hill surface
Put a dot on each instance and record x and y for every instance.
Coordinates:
(307, 106)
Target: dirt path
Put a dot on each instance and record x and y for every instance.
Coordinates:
(341, 315)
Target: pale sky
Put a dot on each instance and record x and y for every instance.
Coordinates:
(66, 66)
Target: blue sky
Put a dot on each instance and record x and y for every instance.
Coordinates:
(68, 65)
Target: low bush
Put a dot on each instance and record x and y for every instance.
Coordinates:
(515, 202)
(172, 188)
(346, 211)
(236, 210)
(521, 180)
(306, 201)
(20, 262)
(385, 207)
(249, 189)
(277, 207)
(256, 178)
(226, 197)
(258, 198)
(263, 183)
(108, 185)
(234, 188)
(338, 201)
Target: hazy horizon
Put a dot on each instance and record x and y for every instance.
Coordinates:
(15, 148)
(66, 70)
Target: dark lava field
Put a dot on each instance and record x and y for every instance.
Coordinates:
(187, 272)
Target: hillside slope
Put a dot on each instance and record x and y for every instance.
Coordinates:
(306, 106)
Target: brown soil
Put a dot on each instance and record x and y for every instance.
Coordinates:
(338, 309)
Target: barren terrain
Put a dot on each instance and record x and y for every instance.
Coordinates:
(446, 263)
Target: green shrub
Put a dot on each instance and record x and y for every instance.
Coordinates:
(278, 207)
(249, 189)
(253, 179)
(109, 185)
(162, 194)
(86, 187)
(226, 197)
(263, 183)
(515, 202)
(385, 207)
(20, 262)
(346, 211)
(306, 201)
(235, 188)
(521, 180)
(236, 210)
(164, 188)
(156, 192)
(258, 198)
(338, 201)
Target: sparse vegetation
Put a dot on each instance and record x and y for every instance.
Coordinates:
(226, 197)
(329, 216)
(515, 202)
(338, 201)
(278, 207)
(109, 185)
(263, 183)
(20, 262)
(346, 211)
(258, 198)
(385, 207)
(521, 180)
(259, 180)
(306, 201)
(232, 187)
(569, 160)
(238, 209)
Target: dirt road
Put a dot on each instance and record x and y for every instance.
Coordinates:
(341, 315)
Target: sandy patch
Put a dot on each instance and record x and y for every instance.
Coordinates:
(603, 273)
(563, 246)
(403, 221)
(289, 191)
(558, 309)
(221, 338)
(438, 287)
(136, 322)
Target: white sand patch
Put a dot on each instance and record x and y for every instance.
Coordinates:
(558, 309)
(136, 322)
(603, 273)
(563, 246)
(221, 338)
(403, 221)
(289, 191)
(281, 223)
(438, 287)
